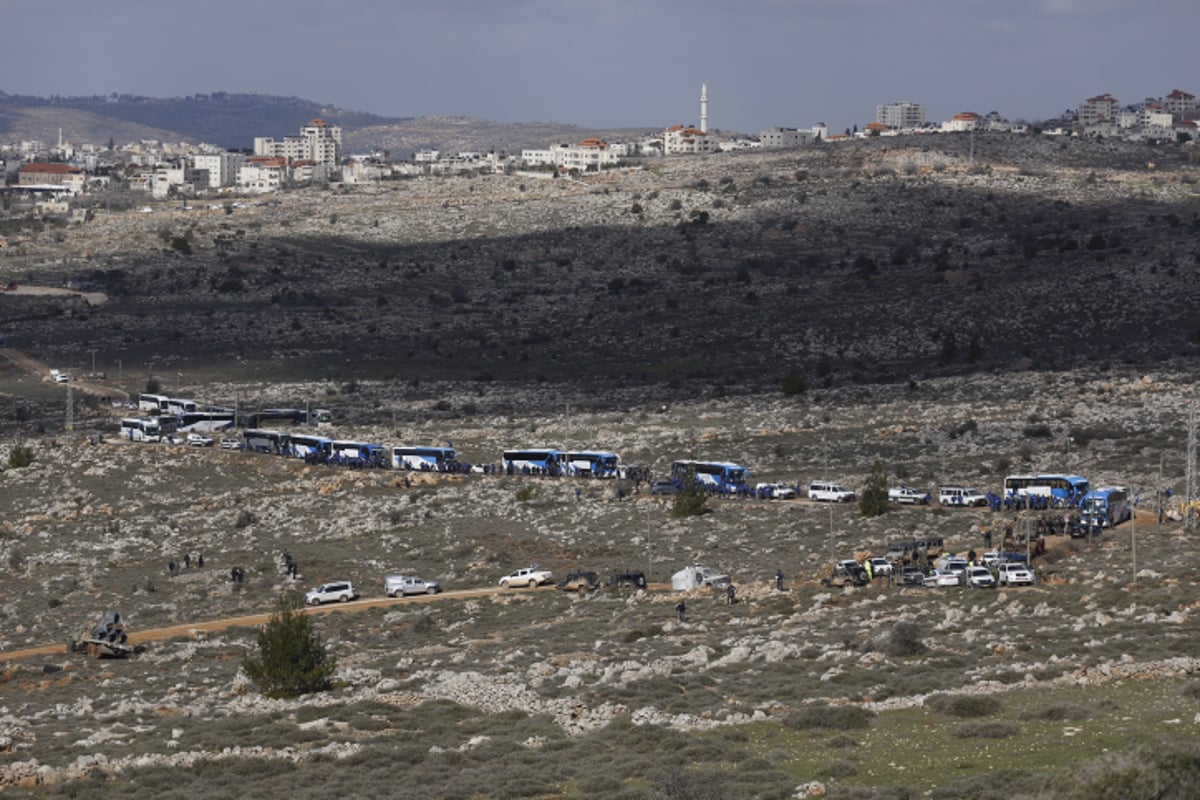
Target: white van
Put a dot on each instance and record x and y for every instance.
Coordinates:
(960, 496)
(829, 492)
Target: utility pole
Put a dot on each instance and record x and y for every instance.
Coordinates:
(1189, 499)
(1133, 532)
(70, 407)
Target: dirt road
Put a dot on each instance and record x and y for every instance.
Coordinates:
(42, 370)
(92, 298)
(198, 629)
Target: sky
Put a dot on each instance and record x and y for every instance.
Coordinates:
(614, 63)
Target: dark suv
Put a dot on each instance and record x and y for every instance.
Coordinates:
(627, 580)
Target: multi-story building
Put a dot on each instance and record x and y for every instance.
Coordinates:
(1155, 116)
(262, 173)
(899, 116)
(679, 140)
(40, 173)
(1101, 108)
(220, 169)
(318, 142)
(1180, 103)
(589, 154)
(786, 137)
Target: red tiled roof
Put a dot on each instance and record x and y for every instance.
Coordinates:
(49, 168)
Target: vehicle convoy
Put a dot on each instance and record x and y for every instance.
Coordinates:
(909, 495)
(403, 585)
(527, 577)
(337, 591)
(106, 639)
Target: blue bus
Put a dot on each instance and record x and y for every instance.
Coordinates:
(1059, 489)
(427, 459)
(539, 461)
(311, 448)
(1104, 508)
(592, 464)
(720, 475)
(358, 454)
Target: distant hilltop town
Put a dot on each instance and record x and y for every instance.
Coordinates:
(49, 175)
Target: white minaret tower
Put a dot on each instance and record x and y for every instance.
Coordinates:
(704, 108)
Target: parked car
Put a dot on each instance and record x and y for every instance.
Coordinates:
(623, 580)
(979, 578)
(776, 491)
(991, 558)
(1014, 574)
(880, 566)
(199, 440)
(911, 576)
(230, 443)
(664, 487)
(956, 565)
(829, 492)
(960, 496)
(907, 494)
(528, 577)
(173, 438)
(402, 585)
(937, 577)
(584, 581)
(847, 572)
(337, 591)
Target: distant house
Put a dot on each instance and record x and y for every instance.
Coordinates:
(678, 140)
(40, 173)
(1180, 103)
(787, 137)
(1098, 109)
(964, 121)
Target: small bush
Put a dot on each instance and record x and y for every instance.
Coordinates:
(874, 499)
(964, 705)
(690, 501)
(830, 718)
(1062, 712)
(987, 730)
(904, 640)
(20, 456)
(526, 493)
(794, 382)
(291, 659)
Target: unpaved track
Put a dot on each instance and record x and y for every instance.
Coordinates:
(43, 371)
(195, 629)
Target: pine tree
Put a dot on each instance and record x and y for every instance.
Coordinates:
(874, 500)
(291, 657)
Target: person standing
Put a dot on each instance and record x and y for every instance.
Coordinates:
(779, 580)
(681, 609)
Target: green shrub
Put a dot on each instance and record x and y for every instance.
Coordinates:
(987, 730)
(964, 705)
(291, 657)
(20, 456)
(874, 499)
(829, 718)
(691, 500)
(526, 493)
(904, 640)
(794, 382)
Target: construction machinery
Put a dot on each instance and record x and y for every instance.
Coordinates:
(106, 639)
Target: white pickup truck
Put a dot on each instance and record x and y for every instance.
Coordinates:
(529, 577)
(60, 375)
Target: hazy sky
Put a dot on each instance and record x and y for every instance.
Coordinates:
(614, 63)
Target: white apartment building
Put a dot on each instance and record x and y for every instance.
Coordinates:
(678, 140)
(899, 116)
(1180, 103)
(1155, 116)
(318, 141)
(787, 137)
(262, 174)
(219, 169)
(590, 153)
(1101, 108)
